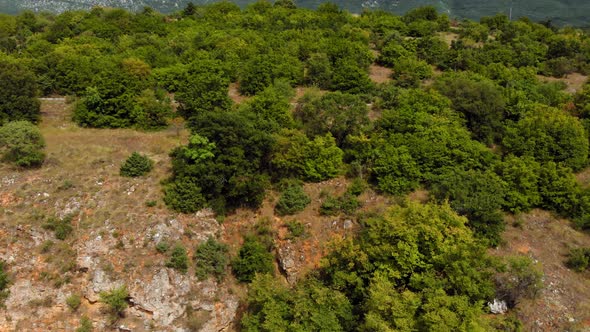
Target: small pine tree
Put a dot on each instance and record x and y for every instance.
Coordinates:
(178, 259)
(293, 200)
(136, 165)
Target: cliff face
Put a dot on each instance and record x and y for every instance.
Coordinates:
(112, 242)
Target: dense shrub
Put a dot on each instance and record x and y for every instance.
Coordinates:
(211, 259)
(520, 278)
(178, 259)
(21, 144)
(549, 134)
(292, 200)
(579, 259)
(116, 300)
(4, 281)
(62, 227)
(18, 96)
(73, 301)
(477, 195)
(136, 165)
(253, 257)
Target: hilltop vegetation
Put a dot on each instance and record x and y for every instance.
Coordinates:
(468, 121)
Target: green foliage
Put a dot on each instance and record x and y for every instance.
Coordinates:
(310, 306)
(330, 206)
(520, 278)
(578, 259)
(480, 101)
(73, 301)
(296, 229)
(549, 135)
(136, 165)
(18, 96)
(522, 177)
(4, 281)
(335, 113)
(152, 110)
(162, 247)
(211, 258)
(184, 196)
(558, 188)
(178, 259)
(409, 72)
(62, 227)
(21, 144)
(85, 325)
(292, 200)
(312, 160)
(253, 258)
(116, 300)
(394, 170)
(477, 195)
(414, 266)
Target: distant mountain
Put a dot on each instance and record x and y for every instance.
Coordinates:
(561, 12)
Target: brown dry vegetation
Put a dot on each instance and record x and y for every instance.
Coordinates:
(564, 303)
(575, 81)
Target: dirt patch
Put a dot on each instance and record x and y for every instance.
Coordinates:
(380, 74)
(575, 81)
(449, 37)
(234, 93)
(564, 303)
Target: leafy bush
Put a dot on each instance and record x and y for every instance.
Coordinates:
(61, 227)
(162, 247)
(477, 195)
(184, 196)
(21, 144)
(211, 259)
(520, 278)
(4, 281)
(349, 204)
(85, 325)
(330, 207)
(296, 229)
(253, 258)
(579, 259)
(292, 200)
(136, 165)
(73, 301)
(18, 94)
(178, 259)
(116, 300)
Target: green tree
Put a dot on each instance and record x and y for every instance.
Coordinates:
(337, 113)
(394, 170)
(548, 134)
(178, 259)
(292, 200)
(18, 96)
(21, 144)
(481, 102)
(136, 165)
(521, 174)
(211, 259)
(478, 195)
(254, 257)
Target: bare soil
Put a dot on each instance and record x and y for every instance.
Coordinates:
(564, 303)
(575, 81)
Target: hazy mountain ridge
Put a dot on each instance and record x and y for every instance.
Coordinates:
(572, 12)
